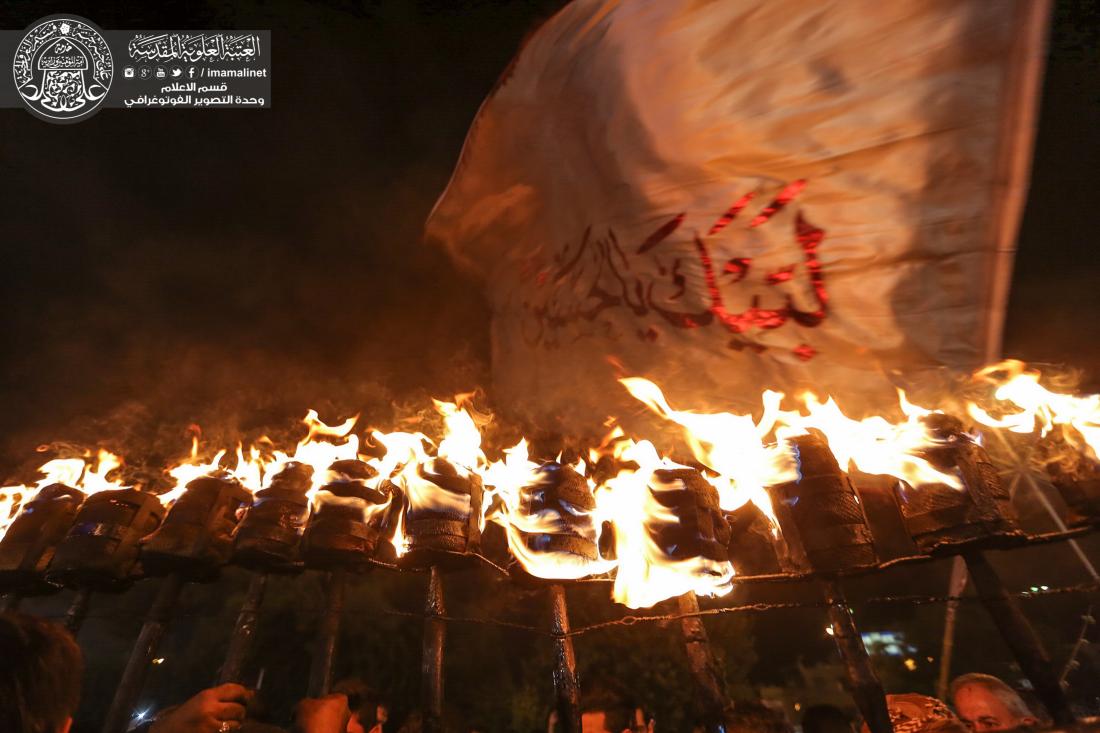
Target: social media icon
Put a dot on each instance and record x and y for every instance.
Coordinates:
(176, 72)
(146, 72)
(128, 72)
(160, 73)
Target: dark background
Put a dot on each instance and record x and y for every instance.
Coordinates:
(231, 268)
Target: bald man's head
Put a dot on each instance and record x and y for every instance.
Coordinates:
(986, 704)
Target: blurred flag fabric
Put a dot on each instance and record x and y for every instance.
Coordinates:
(730, 196)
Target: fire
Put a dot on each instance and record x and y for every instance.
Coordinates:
(657, 553)
(461, 443)
(512, 480)
(90, 474)
(188, 471)
(408, 464)
(647, 573)
(733, 446)
(249, 470)
(1025, 406)
(337, 443)
(875, 445)
(736, 446)
(405, 453)
(322, 446)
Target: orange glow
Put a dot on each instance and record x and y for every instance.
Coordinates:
(744, 456)
(1025, 406)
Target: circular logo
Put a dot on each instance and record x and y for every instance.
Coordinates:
(63, 69)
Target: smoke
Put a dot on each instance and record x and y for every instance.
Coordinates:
(230, 270)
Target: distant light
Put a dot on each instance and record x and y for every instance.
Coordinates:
(910, 664)
(798, 706)
(1034, 589)
(829, 630)
(141, 714)
(1044, 587)
(158, 660)
(929, 659)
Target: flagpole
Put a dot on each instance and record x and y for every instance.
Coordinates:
(1013, 169)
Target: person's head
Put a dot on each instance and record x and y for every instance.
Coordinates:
(39, 677)
(604, 708)
(825, 719)
(985, 703)
(912, 713)
(753, 716)
(366, 708)
(605, 719)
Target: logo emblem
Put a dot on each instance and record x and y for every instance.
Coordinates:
(63, 69)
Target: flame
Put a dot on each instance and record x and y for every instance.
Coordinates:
(1039, 409)
(249, 470)
(322, 446)
(461, 443)
(408, 453)
(645, 573)
(90, 474)
(405, 452)
(336, 443)
(736, 447)
(507, 480)
(733, 446)
(875, 445)
(743, 457)
(187, 472)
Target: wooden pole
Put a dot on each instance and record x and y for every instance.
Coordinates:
(716, 706)
(955, 587)
(244, 632)
(566, 684)
(431, 661)
(866, 689)
(320, 670)
(78, 611)
(137, 667)
(1020, 637)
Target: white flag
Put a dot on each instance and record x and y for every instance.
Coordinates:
(729, 196)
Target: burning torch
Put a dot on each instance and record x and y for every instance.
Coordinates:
(823, 521)
(267, 541)
(553, 537)
(192, 544)
(944, 520)
(442, 531)
(342, 535)
(702, 531)
(31, 540)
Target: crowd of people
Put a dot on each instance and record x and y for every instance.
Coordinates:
(40, 680)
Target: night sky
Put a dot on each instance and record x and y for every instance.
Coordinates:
(232, 268)
(177, 268)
